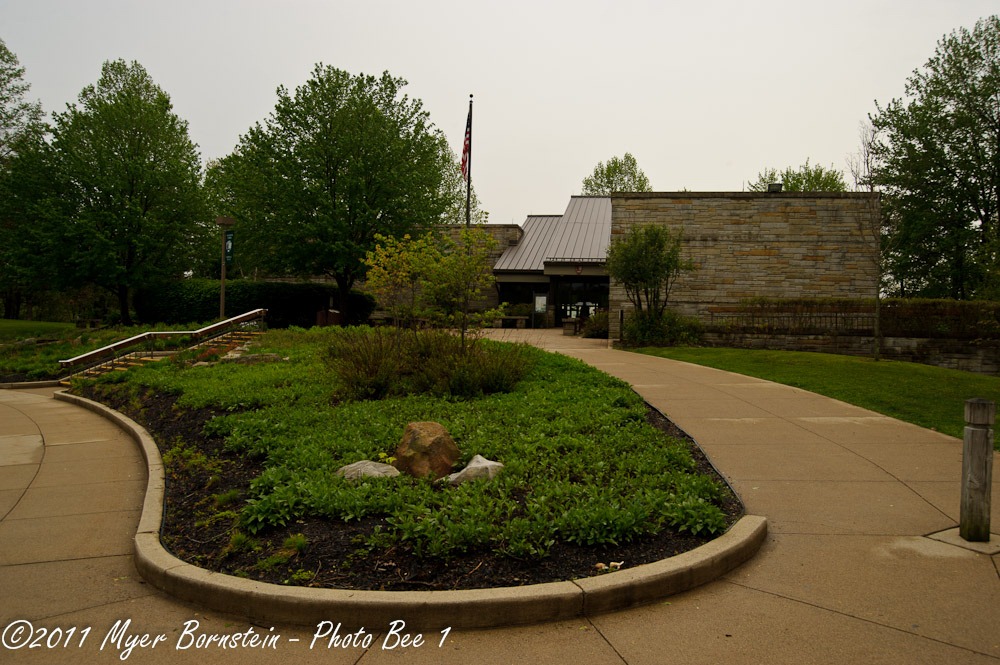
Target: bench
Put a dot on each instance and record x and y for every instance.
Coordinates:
(571, 326)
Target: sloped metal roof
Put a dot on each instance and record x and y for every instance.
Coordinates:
(529, 254)
(580, 235)
(583, 233)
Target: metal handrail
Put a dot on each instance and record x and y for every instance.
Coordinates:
(201, 333)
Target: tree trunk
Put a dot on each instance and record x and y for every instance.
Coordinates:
(12, 303)
(123, 308)
(344, 285)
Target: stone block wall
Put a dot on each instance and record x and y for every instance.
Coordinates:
(749, 245)
(980, 356)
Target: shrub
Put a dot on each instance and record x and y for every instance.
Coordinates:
(365, 361)
(669, 329)
(375, 363)
(520, 309)
(596, 326)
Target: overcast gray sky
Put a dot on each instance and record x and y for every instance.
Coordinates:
(704, 94)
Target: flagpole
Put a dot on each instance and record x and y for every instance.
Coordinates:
(468, 167)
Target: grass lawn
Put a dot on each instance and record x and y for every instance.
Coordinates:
(31, 350)
(11, 330)
(931, 397)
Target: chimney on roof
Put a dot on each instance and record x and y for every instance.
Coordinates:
(774, 188)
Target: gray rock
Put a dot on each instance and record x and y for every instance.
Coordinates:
(367, 469)
(240, 357)
(479, 467)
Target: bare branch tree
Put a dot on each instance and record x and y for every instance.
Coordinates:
(863, 167)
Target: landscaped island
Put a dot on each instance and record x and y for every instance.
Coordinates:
(251, 449)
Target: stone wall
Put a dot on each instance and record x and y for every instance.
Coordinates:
(505, 235)
(981, 356)
(749, 245)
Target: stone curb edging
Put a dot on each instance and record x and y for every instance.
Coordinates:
(28, 385)
(421, 610)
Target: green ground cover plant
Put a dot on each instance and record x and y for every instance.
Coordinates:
(932, 397)
(582, 465)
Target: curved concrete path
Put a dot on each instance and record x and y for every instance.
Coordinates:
(846, 575)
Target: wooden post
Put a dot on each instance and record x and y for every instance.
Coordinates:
(977, 470)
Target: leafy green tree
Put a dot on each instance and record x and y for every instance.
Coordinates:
(132, 177)
(396, 269)
(454, 286)
(647, 262)
(18, 116)
(442, 278)
(806, 178)
(22, 180)
(341, 160)
(938, 160)
(31, 212)
(616, 175)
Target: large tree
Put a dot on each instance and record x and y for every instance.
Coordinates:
(18, 116)
(133, 179)
(31, 212)
(939, 166)
(22, 178)
(806, 178)
(341, 160)
(616, 175)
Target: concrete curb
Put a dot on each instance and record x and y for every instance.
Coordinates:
(421, 610)
(28, 385)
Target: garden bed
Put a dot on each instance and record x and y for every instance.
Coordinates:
(211, 488)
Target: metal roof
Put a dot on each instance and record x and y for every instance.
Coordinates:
(580, 235)
(584, 231)
(529, 254)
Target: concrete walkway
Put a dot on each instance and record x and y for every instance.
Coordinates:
(847, 574)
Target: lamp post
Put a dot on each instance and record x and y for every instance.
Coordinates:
(224, 224)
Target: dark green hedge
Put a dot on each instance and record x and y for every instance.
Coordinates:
(958, 319)
(950, 319)
(287, 303)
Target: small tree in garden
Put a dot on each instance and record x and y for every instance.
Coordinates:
(440, 279)
(444, 280)
(647, 262)
(455, 284)
(396, 268)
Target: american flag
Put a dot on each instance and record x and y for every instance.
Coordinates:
(467, 148)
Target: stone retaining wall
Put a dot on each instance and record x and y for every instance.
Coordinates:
(981, 356)
(750, 245)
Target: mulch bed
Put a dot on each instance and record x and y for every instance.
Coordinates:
(332, 557)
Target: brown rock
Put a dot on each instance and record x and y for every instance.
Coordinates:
(426, 450)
